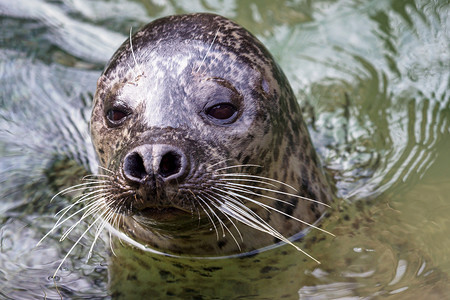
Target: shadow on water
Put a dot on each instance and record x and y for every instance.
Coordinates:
(372, 78)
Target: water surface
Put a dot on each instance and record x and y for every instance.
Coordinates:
(372, 78)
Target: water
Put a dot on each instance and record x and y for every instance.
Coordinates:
(373, 79)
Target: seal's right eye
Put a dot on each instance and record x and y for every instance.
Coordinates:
(116, 116)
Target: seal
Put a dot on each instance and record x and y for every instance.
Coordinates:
(201, 141)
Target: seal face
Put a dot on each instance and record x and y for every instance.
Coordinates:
(201, 141)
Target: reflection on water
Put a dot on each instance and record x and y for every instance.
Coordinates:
(372, 77)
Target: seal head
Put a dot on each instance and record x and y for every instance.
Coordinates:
(202, 141)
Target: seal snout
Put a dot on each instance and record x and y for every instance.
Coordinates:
(150, 162)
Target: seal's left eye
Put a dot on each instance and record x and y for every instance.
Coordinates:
(222, 111)
(116, 116)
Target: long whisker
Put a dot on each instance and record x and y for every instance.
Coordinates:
(93, 209)
(83, 198)
(59, 222)
(96, 176)
(215, 215)
(74, 188)
(212, 197)
(115, 224)
(92, 199)
(237, 166)
(247, 180)
(105, 169)
(206, 69)
(278, 211)
(95, 181)
(76, 243)
(209, 217)
(266, 228)
(220, 162)
(257, 177)
(239, 203)
(132, 53)
(207, 214)
(243, 190)
(105, 221)
(226, 227)
(209, 49)
(276, 192)
(248, 217)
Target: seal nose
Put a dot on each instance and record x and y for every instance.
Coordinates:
(146, 162)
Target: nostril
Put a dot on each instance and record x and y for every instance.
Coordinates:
(170, 164)
(134, 167)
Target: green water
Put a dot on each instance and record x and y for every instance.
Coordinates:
(373, 79)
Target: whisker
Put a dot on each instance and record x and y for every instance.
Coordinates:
(218, 207)
(83, 198)
(93, 200)
(247, 180)
(277, 192)
(95, 180)
(220, 162)
(105, 221)
(242, 205)
(206, 69)
(238, 189)
(59, 222)
(245, 215)
(96, 176)
(279, 211)
(215, 215)
(107, 170)
(132, 53)
(94, 207)
(236, 166)
(269, 230)
(111, 245)
(209, 49)
(76, 243)
(258, 177)
(229, 231)
(115, 224)
(74, 188)
(132, 70)
(209, 217)
(248, 215)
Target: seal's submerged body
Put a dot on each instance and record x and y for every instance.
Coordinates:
(201, 141)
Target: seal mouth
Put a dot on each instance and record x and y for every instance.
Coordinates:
(161, 214)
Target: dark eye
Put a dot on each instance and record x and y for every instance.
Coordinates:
(222, 111)
(116, 116)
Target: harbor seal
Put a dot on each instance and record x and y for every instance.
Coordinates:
(201, 141)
